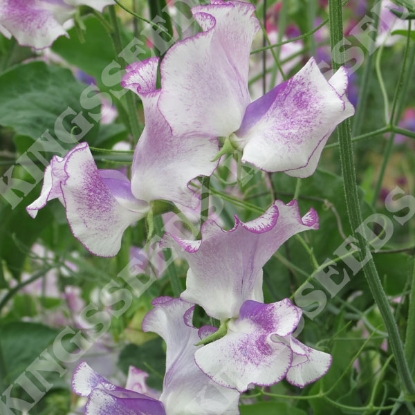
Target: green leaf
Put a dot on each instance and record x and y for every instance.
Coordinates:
(109, 135)
(11, 53)
(96, 53)
(20, 344)
(91, 56)
(270, 408)
(392, 269)
(18, 232)
(149, 357)
(33, 98)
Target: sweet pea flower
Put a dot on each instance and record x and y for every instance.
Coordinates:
(204, 82)
(254, 344)
(38, 23)
(101, 204)
(186, 389)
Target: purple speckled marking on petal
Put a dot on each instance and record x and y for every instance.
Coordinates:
(35, 23)
(289, 133)
(95, 216)
(239, 360)
(184, 381)
(105, 402)
(280, 318)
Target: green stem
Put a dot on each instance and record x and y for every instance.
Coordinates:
(221, 332)
(382, 130)
(397, 107)
(276, 45)
(355, 215)
(171, 270)
(131, 108)
(365, 81)
(410, 327)
(18, 287)
(402, 131)
(382, 84)
(204, 203)
(154, 25)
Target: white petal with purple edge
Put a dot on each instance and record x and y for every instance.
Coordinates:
(186, 390)
(85, 380)
(225, 268)
(243, 358)
(204, 78)
(98, 207)
(308, 364)
(287, 128)
(159, 155)
(136, 380)
(35, 23)
(51, 189)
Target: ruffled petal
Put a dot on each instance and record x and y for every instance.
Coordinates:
(308, 364)
(99, 203)
(35, 23)
(136, 380)
(163, 163)
(204, 78)
(51, 189)
(241, 359)
(104, 398)
(85, 380)
(226, 266)
(186, 390)
(287, 128)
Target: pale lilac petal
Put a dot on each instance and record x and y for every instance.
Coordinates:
(97, 216)
(308, 364)
(35, 23)
(186, 390)
(226, 266)
(241, 359)
(159, 155)
(287, 128)
(204, 78)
